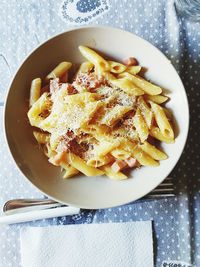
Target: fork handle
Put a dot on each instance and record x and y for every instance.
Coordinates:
(18, 205)
(38, 215)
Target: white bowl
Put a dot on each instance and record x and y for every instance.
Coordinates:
(91, 192)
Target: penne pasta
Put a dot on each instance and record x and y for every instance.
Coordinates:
(162, 121)
(40, 107)
(59, 70)
(69, 170)
(133, 69)
(85, 67)
(168, 113)
(153, 151)
(146, 86)
(120, 153)
(159, 99)
(156, 133)
(145, 111)
(94, 58)
(113, 175)
(81, 165)
(127, 145)
(143, 158)
(104, 147)
(99, 122)
(116, 67)
(35, 91)
(42, 138)
(99, 161)
(113, 115)
(125, 84)
(140, 125)
(48, 151)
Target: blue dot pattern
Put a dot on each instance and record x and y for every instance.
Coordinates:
(79, 12)
(25, 24)
(87, 5)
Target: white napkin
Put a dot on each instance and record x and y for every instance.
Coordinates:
(88, 245)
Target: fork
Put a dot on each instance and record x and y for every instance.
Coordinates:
(165, 189)
(23, 210)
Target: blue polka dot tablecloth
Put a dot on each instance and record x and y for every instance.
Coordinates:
(176, 221)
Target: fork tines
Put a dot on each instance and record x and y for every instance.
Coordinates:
(165, 189)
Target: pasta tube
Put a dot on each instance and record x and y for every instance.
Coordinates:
(153, 151)
(35, 91)
(146, 86)
(116, 67)
(125, 84)
(162, 121)
(159, 99)
(69, 170)
(85, 67)
(120, 153)
(81, 165)
(113, 175)
(42, 138)
(145, 111)
(114, 114)
(156, 133)
(59, 71)
(38, 108)
(104, 147)
(143, 158)
(99, 161)
(133, 69)
(94, 58)
(140, 125)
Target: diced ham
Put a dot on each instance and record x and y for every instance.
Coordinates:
(71, 90)
(57, 159)
(64, 78)
(118, 165)
(66, 142)
(131, 162)
(131, 61)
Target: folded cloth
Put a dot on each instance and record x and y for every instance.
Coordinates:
(88, 245)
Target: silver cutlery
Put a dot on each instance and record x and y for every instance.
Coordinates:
(23, 210)
(23, 205)
(165, 189)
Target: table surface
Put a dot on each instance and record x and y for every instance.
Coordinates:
(24, 25)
